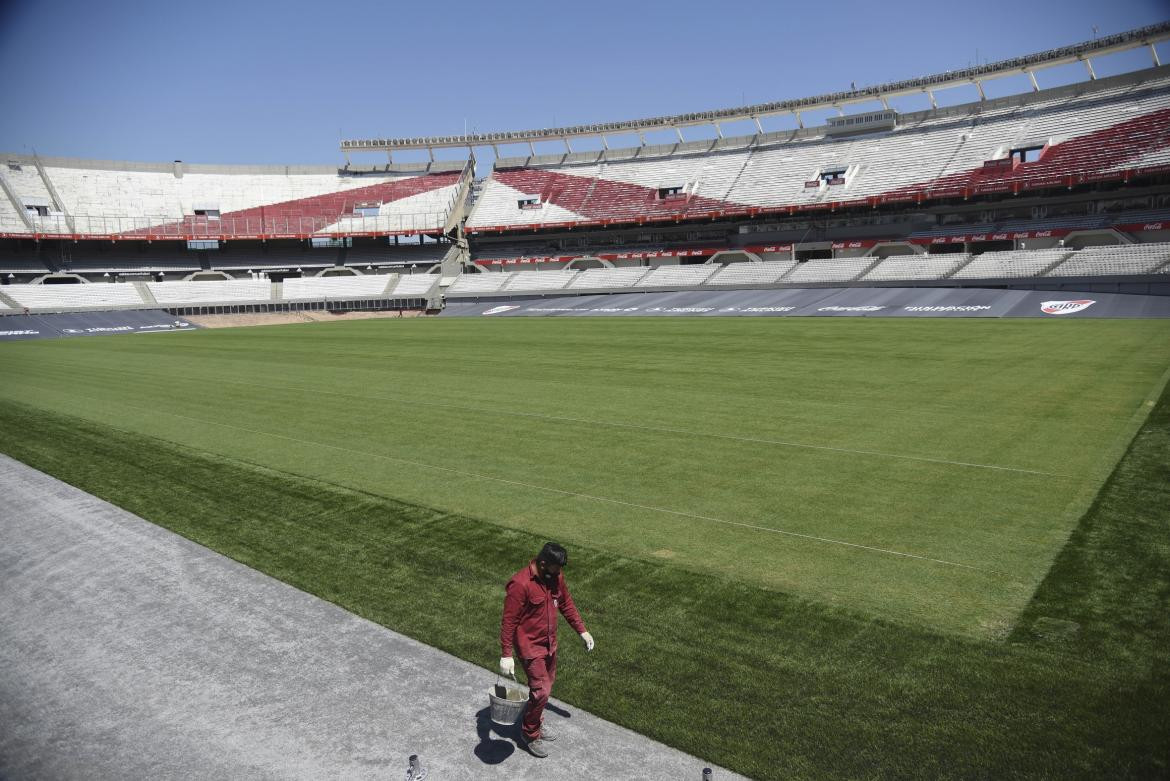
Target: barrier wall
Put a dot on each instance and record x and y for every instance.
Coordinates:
(829, 302)
(131, 321)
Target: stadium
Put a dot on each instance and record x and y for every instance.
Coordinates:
(865, 416)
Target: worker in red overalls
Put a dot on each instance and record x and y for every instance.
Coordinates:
(531, 601)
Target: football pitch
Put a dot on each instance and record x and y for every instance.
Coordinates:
(908, 479)
(922, 471)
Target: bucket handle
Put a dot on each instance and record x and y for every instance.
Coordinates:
(512, 678)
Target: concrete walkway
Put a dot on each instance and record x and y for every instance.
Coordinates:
(128, 652)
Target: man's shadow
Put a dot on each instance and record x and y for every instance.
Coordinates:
(490, 750)
(493, 751)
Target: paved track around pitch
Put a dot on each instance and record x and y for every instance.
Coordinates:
(129, 652)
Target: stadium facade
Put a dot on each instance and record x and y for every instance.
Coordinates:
(1051, 189)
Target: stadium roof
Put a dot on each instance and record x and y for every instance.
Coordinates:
(1081, 52)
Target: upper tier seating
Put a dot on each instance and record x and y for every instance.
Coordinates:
(1121, 259)
(765, 273)
(211, 292)
(677, 276)
(364, 286)
(1091, 134)
(75, 296)
(157, 204)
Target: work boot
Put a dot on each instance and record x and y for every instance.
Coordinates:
(546, 733)
(538, 748)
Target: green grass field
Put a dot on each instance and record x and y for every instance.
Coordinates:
(831, 532)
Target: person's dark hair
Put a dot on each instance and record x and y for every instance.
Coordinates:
(553, 553)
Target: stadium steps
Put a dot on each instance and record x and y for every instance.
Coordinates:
(144, 291)
(391, 283)
(277, 291)
(1055, 263)
(868, 269)
(960, 267)
(9, 302)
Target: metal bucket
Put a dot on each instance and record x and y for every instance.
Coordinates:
(506, 710)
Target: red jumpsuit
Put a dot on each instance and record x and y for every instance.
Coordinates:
(530, 628)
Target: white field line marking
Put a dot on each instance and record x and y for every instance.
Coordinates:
(563, 492)
(637, 426)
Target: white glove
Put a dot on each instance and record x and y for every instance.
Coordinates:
(507, 666)
(588, 638)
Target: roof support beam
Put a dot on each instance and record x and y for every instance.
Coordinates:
(678, 132)
(930, 94)
(979, 86)
(759, 127)
(1154, 55)
(799, 121)
(1032, 76)
(1089, 67)
(718, 129)
(604, 142)
(568, 146)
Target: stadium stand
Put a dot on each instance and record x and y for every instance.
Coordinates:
(470, 284)
(766, 273)
(829, 270)
(907, 267)
(361, 286)
(83, 296)
(173, 293)
(415, 286)
(677, 276)
(1122, 259)
(608, 278)
(129, 200)
(539, 280)
(1010, 264)
(1080, 131)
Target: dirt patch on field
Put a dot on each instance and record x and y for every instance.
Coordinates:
(279, 318)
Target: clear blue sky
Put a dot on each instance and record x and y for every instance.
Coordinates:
(280, 82)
